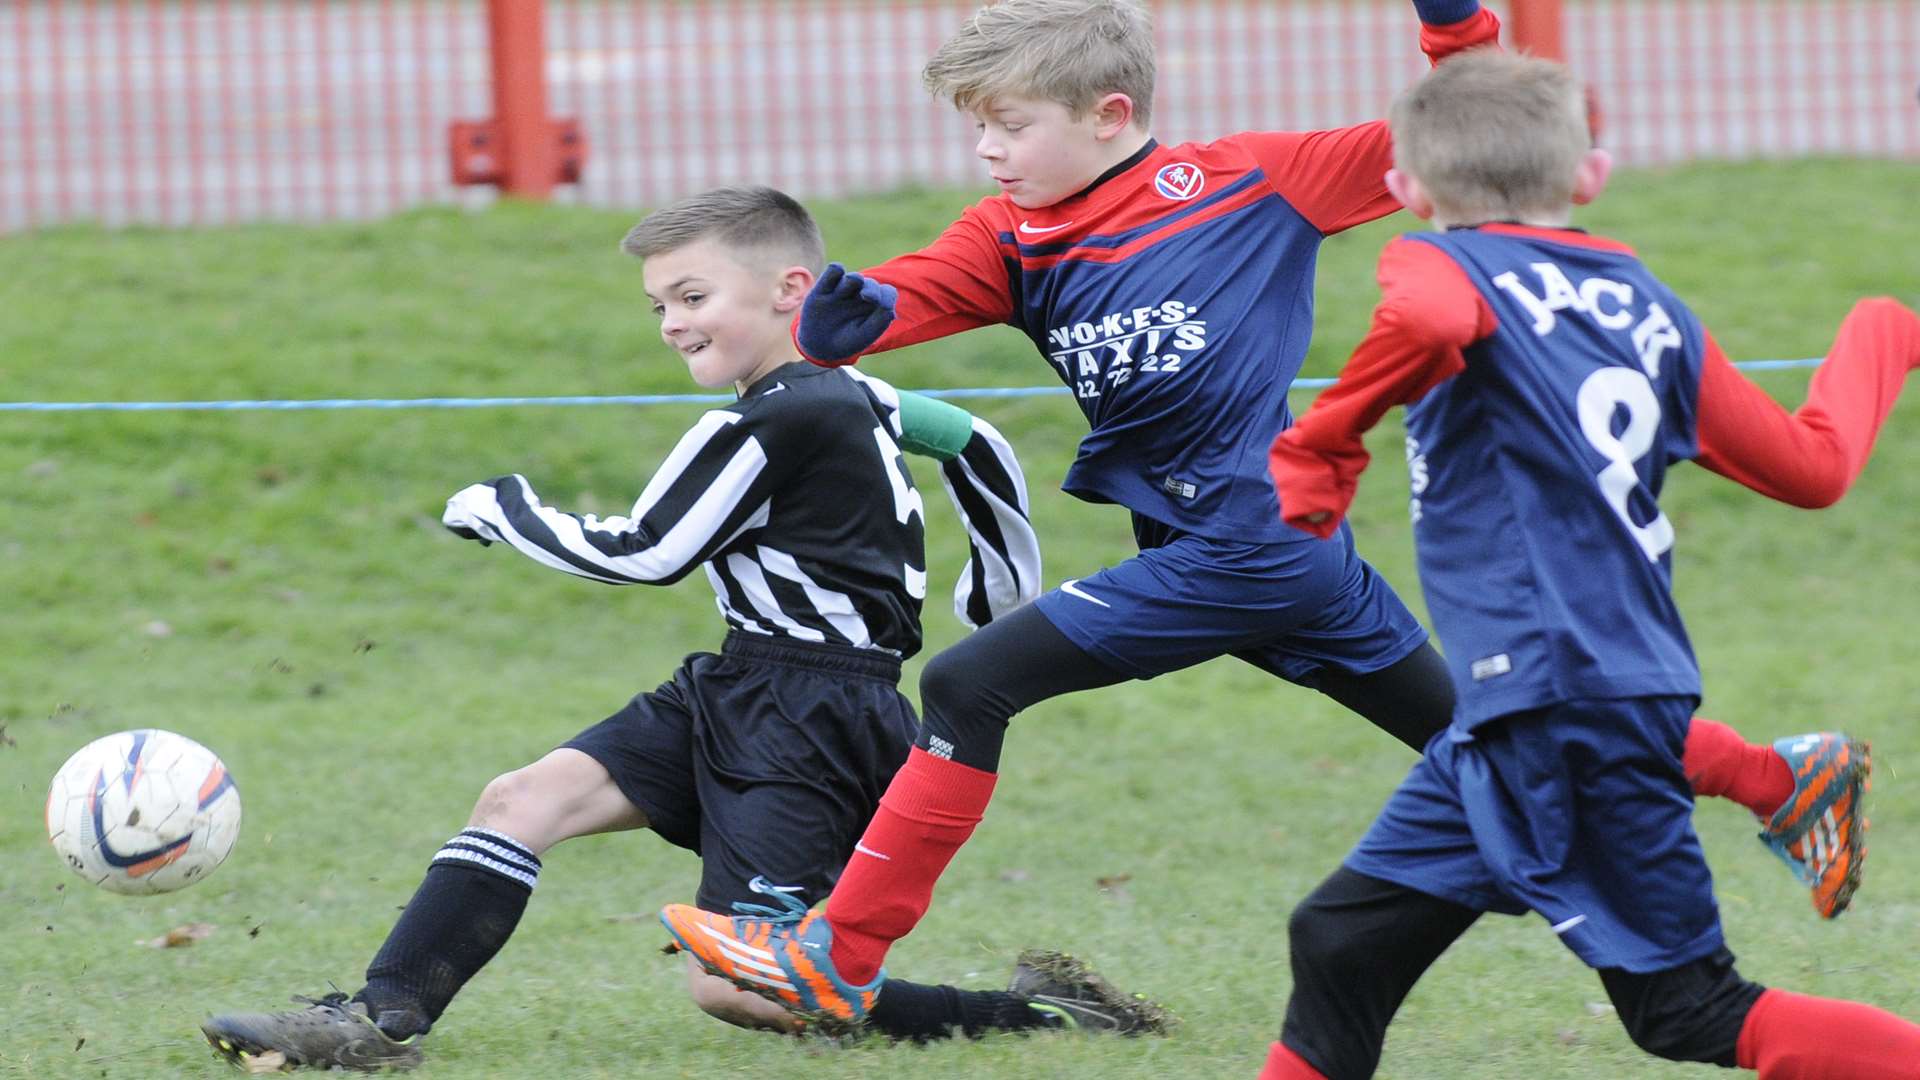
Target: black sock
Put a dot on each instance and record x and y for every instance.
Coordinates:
(918, 1012)
(474, 894)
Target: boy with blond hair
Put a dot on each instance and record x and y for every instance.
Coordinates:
(1551, 380)
(768, 758)
(1171, 287)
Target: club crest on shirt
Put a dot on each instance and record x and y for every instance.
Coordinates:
(1180, 181)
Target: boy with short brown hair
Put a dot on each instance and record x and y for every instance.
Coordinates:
(1551, 380)
(768, 757)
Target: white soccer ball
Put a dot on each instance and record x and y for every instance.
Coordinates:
(143, 812)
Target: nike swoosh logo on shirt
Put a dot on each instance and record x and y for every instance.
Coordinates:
(1029, 230)
(776, 388)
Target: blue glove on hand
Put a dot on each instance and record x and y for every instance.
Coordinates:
(844, 314)
(1446, 12)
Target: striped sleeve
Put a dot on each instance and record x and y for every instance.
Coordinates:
(713, 486)
(1003, 554)
(988, 490)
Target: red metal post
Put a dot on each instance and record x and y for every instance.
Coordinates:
(521, 149)
(1536, 28)
(517, 32)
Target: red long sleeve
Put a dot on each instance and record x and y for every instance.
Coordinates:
(1429, 311)
(1336, 178)
(1440, 42)
(956, 283)
(1810, 457)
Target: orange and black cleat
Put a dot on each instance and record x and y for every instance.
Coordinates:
(1821, 830)
(781, 955)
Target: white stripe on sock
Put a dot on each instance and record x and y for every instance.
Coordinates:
(505, 870)
(515, 854)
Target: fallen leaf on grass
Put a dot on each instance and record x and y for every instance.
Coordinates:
(179, 936)
(270, 1061)
(1114, 887)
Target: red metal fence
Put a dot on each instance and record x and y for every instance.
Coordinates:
(1686, 79)
(189, 111)
(230, 110)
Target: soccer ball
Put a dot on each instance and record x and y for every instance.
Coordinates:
(143, 812)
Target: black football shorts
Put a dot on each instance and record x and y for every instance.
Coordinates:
(767, 759)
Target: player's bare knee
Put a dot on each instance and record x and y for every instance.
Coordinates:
(498, 798)
(519, 804)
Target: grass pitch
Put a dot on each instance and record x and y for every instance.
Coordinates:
(276, 585)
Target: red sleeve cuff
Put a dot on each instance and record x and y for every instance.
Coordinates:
(1440, 42)
(1311, 498)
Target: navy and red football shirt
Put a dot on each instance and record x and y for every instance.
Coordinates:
(1175, 297)
(1551, 380)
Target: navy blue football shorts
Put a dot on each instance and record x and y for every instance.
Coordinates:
(1290, 608)
(1579, 811)
(767, 760)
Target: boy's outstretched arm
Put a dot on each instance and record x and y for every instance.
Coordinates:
(715, 483)
(956, 283)
(1810, 457)
(1336, 178)
(989, 491)
(1451, 26)
(1428, 313)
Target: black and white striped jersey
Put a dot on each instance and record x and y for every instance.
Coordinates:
(797, 501)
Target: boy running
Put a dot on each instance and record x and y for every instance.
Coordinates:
(768, 758)
(1172, 288)
(1551, 381)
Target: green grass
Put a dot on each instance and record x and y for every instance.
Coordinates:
(364, 674)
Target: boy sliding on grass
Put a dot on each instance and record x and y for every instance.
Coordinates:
(768, 758)
(1172, 288)
(1551, 380)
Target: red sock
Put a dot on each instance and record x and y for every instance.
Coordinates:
(1795, 1037)
(929, 810)
(1721, 763)
(1284, 1064)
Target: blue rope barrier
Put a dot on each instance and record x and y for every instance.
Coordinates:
(608, 399)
